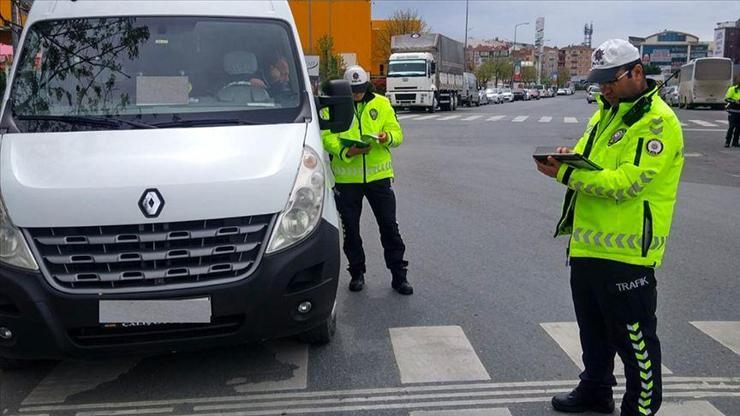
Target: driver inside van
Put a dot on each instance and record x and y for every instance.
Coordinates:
(278, 76)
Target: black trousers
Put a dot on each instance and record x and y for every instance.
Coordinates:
(733, 130)
(383, 203)
(615, 307)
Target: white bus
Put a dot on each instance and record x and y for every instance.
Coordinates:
(704, 81)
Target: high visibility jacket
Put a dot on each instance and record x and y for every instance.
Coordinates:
(733, 94)
(373, 115)
(624, 212)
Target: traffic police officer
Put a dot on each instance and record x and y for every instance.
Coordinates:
(733, 114)
(367, 172)
(618, 219)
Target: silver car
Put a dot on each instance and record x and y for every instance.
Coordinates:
(591, 93)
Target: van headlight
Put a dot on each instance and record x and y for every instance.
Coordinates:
(13, 248)
(303, 212)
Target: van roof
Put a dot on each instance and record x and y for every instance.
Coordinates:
(65, 9)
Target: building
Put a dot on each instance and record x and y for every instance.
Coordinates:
(670, 49)
(347, 21)
(379, 59)
(550, 60)
(727, 41)
(577, 59)
(483, 52)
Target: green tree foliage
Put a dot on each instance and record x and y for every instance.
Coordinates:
(331, 65)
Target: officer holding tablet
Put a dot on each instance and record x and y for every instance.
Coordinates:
(618, 218)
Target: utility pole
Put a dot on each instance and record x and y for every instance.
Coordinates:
(15, 19)
(465, 48)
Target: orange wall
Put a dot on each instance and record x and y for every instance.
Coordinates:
(380, 63)
(347, 21)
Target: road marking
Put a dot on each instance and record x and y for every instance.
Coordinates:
(703, 123)
(703, 130)
(150, 411)
(407, 116)
(448, 118)
(693, 408)
(495, 118)
(435, 354)
(70, 377)
(289, 356)
(703, 386)
(722, 121)
(545, 119)
(468, 412)
(519, 119)
(726, 333)
(427, 117)
(570, 120)
(693, 155)
(684, 124)
(471, 118)
(566, 336)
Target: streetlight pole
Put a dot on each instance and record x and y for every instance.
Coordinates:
(513, 47)
(465, 48)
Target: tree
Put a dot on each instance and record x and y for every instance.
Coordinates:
(402, 22)
(331, 65)
(503, 69)
(529, 74)
(485, 72)
(652, 69)
(563, 76)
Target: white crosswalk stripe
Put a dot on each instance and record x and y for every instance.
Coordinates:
(566, 336)
(449, 118)
(468, 412)
(408, 116)
(472, 118)
(545, 119)
(495, 118)
(722, 121)
(684, 124)
(703, 123)
(435, 354)
(519, 119)
(692, 408)
(726, 333)
(427, 117)
(570, 120)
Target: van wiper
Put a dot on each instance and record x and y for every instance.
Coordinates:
(206, 122)
(99, 121)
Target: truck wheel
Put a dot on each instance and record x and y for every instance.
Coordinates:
(322, 334)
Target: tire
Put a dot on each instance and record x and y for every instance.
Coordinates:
(322, 334)
(433, 108)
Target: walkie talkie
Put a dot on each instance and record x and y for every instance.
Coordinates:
(642, 105)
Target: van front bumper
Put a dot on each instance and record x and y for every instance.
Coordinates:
(48, 324)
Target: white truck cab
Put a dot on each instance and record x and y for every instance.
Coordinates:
(163, 185)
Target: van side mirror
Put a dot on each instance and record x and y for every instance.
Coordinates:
(338, 104)
(433, 68)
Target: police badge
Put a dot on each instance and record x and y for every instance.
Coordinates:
(654, 147)
(617, 136)
(374, 114)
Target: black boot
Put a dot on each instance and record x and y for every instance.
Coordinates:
(357, 282)
(584, 400)
(400, 284)
(736, 145)
(727, 145)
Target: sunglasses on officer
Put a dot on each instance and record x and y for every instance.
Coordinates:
(627, 73)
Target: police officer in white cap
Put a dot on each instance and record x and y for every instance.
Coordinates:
(363, 168)
(618, 219)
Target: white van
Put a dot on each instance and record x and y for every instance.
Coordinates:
(217, 228)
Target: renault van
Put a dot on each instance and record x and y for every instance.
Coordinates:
(163, 184)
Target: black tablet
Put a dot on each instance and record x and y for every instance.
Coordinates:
(572, 159)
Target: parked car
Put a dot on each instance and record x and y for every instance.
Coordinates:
(482, 97)
(671, 95)
(591, 93)
(534, 93)
(493, 96)
(519, 95)
(562, 91)
(506, 95)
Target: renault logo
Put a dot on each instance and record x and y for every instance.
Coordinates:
(151, 203)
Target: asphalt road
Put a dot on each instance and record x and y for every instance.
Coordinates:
(490, 329)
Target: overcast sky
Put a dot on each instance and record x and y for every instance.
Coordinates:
(564, 20)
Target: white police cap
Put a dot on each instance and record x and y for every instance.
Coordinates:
(609, 57)
(357, 78)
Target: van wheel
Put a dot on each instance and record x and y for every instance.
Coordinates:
(13, 364)
(322, 334)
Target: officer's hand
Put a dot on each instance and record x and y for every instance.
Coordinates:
(354, 150)
(382, 137)
(563, 150)
(550, 168)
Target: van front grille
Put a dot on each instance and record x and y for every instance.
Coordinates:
(150, 256)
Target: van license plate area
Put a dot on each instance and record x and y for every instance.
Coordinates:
(183, 311)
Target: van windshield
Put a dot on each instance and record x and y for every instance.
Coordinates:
(156, 71)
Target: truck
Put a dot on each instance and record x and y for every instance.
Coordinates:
(425, 71)
(155, 194)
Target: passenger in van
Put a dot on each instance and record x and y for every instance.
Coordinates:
(363, 168)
